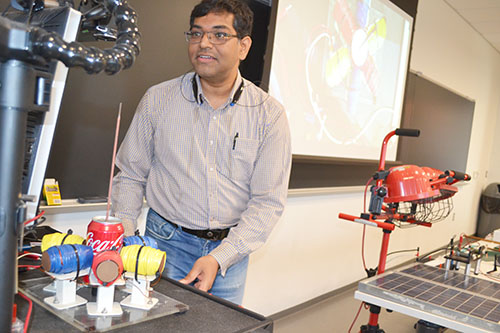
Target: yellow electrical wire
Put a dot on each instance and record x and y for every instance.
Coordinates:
(151, 260)
(54, 239)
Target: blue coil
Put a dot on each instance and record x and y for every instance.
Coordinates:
(63, 258)
(140, 240)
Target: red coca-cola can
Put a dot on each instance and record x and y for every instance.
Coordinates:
(105, 234)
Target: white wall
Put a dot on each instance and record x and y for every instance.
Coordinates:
(311, 251)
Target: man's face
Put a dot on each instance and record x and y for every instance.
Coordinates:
(217, 63)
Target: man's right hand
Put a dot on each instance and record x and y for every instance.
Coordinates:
(205, 271)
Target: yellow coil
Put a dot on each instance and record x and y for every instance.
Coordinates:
(55, 239)
(151, 260)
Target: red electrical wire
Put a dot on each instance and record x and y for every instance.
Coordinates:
(28, 315)
(363, 247)
(356, 318)
(29, 266)
(364, 226)
(35, 218)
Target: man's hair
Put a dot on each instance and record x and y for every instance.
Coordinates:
(243, 15)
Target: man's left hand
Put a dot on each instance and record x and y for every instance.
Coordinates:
(205, 270)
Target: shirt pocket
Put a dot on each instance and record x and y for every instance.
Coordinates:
(238, 158)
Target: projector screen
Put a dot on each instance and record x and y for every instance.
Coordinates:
(339, 68)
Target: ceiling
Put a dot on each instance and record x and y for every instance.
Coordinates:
(483, 16)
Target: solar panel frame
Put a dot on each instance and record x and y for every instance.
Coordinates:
(449, 296)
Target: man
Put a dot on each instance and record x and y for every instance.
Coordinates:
(211, 153)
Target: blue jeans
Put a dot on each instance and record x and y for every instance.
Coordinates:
(184, 249)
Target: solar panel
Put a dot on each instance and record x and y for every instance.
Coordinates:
(448, 296)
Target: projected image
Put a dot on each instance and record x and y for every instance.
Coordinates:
(339, 67)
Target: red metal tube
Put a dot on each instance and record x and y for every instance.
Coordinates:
(381, 165)
(383, 252)
(373, 320)
(374, 223)
(383, 151)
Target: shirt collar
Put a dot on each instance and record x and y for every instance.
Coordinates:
(200, 97)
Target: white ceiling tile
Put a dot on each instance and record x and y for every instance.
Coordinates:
(488, 26)
(493, 38)
(480, 14)
(465, 4)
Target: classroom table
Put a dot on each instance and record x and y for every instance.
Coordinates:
(205, 313)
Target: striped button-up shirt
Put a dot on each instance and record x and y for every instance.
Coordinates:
(205, 168)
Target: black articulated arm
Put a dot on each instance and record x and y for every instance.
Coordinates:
(25, 51)
(121, 56)
(35, 45)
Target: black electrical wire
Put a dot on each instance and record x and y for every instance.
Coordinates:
(236, 103)
(402, 251)
(425, 256)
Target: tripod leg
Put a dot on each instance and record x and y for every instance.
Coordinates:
(372, 326)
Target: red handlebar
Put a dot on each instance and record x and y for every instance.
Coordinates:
(373, 223)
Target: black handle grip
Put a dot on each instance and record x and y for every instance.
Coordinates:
(458, 175)
(407, 132)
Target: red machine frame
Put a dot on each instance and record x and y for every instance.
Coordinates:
(430, 186)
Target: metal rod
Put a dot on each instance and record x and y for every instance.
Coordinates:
(117, 130)
(14, 100)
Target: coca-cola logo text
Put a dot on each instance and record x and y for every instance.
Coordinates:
(101, 245)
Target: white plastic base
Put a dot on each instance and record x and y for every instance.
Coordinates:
(114, 310)
(146, 305)
(52, 301)
(105, 305)
(128, 286)
(51, 288)
(65, 288)
(140, 298)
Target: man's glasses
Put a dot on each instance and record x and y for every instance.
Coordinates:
(218, 37)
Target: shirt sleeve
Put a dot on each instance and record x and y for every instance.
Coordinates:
(134, 160)
(269, 188)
